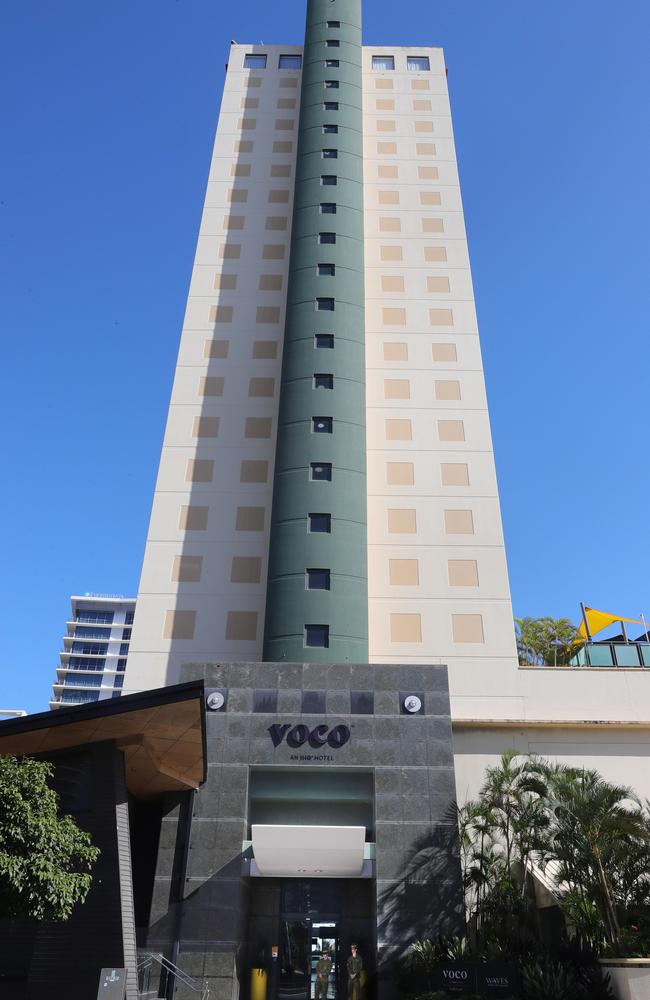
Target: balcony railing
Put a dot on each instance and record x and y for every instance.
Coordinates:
(612, 654)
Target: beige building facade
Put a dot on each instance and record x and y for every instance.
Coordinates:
(437, 569)
(438, 587)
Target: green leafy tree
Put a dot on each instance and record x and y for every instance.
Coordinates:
(545, 640)
(45, 859)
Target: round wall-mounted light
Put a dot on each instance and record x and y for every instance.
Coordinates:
(215, 701)
(412, 703)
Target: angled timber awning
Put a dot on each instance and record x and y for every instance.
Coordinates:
(162, 734)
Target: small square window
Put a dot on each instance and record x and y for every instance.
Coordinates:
(254, 62)
(331, 106)
(330, 130)
(332, 43)
(332, 64)
(313, 702)
(320, 523)
(331, 85)
(121, 664)
(290, 62)
(325, 305)
(265, 700)
(362, 702)
(317, 579)
(322, 425)
(417, 63)
(330, 154)
(333, 24)
(383, 62)
(328, 180)
(327, 237)
(323, 380)
(324, 341)
(328, 208)
(320, 472)
(326, 270)
(317, 635)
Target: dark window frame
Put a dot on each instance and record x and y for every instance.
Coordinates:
(312, 522)
(326, 270)
(326, 380)
(316, 574)
(325, 303)
(317, 632)
(255, 55)
(328, 241)
(325, 467)
(322, 425)
(326, 341)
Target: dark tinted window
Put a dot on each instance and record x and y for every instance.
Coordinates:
(317, 579)
(330, 154)
(323, 380)
(326, 270)
(331, 85)
(362, 702)
(324, 340)
(317, 635)
(321, 472)
(320, 523)
(325, 305)
(332, 43)
(322, 425)
(328, 208)
(331, 105)
(327, 237)
(330, 129)
(313, 701)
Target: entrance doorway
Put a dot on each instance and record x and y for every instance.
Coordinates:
(302, 944)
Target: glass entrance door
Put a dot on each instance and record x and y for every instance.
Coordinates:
(324, 938)
(294, 973)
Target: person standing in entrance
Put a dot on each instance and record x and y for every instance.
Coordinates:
(355, 966)
(323, 973)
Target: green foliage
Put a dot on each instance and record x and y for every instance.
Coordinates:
(589, 839)
(547, 978)
(546, 640)
(45, 859)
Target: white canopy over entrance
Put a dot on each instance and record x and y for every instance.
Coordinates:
(315, 851)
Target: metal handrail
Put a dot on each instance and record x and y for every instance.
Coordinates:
(169, 967)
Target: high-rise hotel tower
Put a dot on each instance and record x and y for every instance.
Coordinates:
(327, 489)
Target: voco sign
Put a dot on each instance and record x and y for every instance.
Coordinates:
(319, 736)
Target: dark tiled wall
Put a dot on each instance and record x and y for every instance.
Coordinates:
(418, 888)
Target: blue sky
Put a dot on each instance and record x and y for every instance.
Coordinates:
(107, 118)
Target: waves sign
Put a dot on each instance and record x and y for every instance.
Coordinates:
(493, 979)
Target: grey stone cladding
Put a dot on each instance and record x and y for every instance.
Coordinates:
(416, 872)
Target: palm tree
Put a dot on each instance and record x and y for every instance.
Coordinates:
(590, 821)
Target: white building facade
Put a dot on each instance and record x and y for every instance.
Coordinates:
(95, 648)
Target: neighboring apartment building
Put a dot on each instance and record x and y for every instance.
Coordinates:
(95, 649)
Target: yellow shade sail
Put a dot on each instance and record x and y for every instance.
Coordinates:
(598, 620)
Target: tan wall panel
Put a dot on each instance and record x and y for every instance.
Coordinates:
(459, 522)
(398, 430)
(467, 628)
(250, 519)
(246, 569)
(451, 430)
(241, 625)
(400, 473)
(187, 569)
(193, 518)
(454, 474)
(401, 521)
(179, 625)
(403, 572)
(462, 572)
(405, 628)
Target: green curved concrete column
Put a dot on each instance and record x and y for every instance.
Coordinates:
(290, 606)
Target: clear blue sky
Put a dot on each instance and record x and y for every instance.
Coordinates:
(107, 119)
